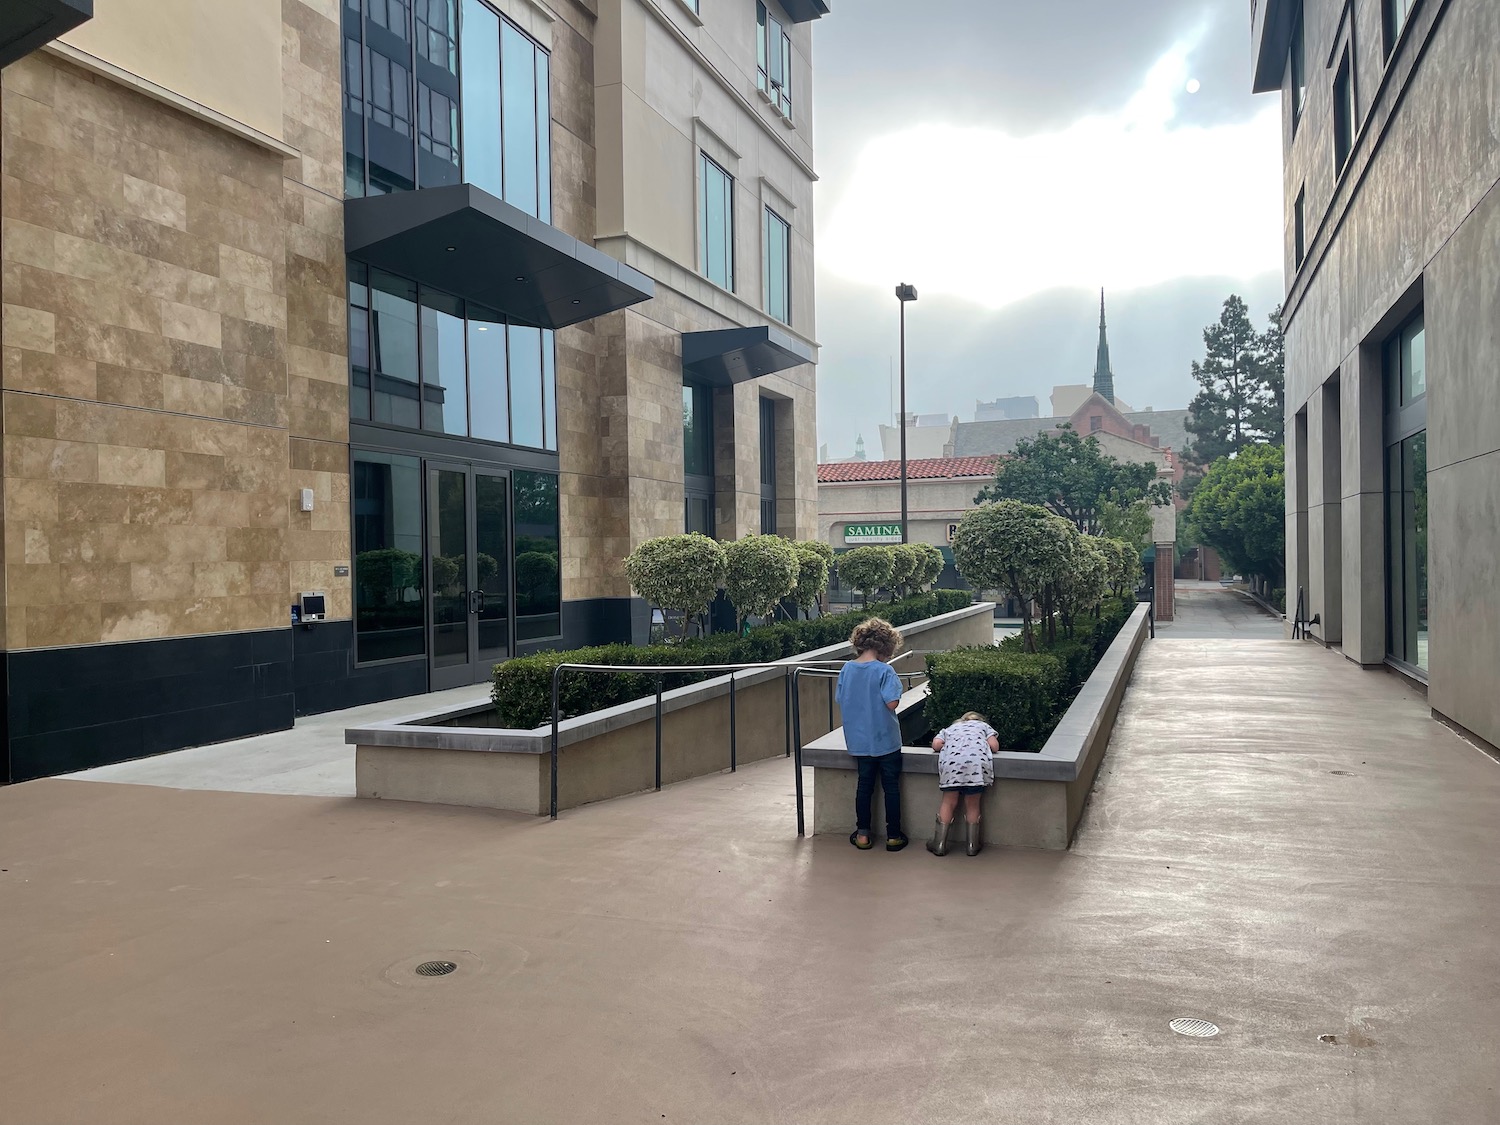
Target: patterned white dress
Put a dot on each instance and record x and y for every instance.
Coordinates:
(965, 757)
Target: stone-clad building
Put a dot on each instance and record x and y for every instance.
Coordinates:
(1391, 110)
(349, 344)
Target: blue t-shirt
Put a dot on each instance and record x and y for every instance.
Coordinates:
(870, 726)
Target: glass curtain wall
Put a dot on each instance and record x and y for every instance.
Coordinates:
(767, 466)
(405, 124)
(1406, 494)
(423, 359)
(538, 556)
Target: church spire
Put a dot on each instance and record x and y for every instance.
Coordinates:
(1104, 378)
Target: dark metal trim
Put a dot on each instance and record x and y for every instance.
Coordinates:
(804, 11)
(726, 356)
(26, 25)
(500, 256)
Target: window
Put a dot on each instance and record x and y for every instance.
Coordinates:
(1393, 15)
(773, 60)
(698, 459)
(715, 223)
(405, 124)
(419, 358)
(777, 267)
(1405, 364)
(1299, 228)
(388, 608)
(1343, 114)
(1096, 423)
(768, 466)
(538, 556)
(1297, 68)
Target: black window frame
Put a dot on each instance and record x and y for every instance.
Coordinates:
(1299, 227)
(1404, 420)
(1391, 25)
(1297, 67)
(705, 163)
(1345, 114)
(769, 27)
(768, 496)
(770, 218)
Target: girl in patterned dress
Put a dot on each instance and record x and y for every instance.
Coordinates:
(965, 769)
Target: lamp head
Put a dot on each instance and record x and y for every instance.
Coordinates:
(905, 292)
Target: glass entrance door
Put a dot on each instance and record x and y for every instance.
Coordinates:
(468, 572)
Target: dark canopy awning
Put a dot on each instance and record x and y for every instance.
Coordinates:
(801, 11)
(734, 355)
(27, 24)
(468, 243)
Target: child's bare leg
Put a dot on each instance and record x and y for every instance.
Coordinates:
(949, 806)
(971, 807)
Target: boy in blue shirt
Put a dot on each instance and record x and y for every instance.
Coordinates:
(868, 693)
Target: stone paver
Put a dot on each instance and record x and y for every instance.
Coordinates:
(1279, 842)
(1207, 610)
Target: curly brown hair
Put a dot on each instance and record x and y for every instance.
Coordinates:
(877, 634)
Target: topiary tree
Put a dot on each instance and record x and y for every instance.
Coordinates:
(536, 574)
(1123, 562)
(1084, 582)
(762, 571)
(812, 576)
(866, 569)
(905, 558)
(825, 552)
(681, 572)
(1015, 547)
(930, 564)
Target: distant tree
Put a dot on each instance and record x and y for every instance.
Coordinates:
(905, 559)
(1072, 477)
(1233, 406)
(929, 568)
(1019, 548)
(1271, 418)
(1240, 511)
(1132, 524)
(1084, 581)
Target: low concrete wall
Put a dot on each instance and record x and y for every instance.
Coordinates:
(451, 758)
(1037, 799)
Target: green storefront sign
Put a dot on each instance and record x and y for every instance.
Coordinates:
(865, 533)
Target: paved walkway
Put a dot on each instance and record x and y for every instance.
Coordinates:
(1279, 842)
(310, 760)
(1209, 610)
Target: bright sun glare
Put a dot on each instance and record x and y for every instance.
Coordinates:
(1126, 200)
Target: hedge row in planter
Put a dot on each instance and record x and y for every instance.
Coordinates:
(523, 686)
(1022, 694)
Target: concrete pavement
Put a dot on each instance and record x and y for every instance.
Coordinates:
(1279, 842)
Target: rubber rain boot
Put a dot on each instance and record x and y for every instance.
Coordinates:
(938, 845)
(971, 836)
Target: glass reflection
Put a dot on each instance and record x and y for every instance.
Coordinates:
(526, 427)
(489, 404)
(393, 345)
(387, 557)
(445, 391)
(481, 102)
(538, 556)
(518, 95)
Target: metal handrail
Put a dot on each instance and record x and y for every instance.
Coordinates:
(1300, 620)
(793, 713)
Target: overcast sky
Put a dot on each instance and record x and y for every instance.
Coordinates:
(1011, 159)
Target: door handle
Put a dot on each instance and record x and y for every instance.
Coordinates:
(478, 601)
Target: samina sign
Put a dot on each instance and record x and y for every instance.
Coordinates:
(863, 534)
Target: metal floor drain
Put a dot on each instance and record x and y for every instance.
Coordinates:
(435, 968)
(1196, 1029)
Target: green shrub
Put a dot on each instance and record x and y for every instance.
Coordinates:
(681, 572)
(905, 559)
(930, 565)
(1019, 693)
(866, 569)
(522, 687)
(762, 571)
(812, 575)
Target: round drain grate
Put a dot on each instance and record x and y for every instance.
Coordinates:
(1196, 1029)
(443, 968)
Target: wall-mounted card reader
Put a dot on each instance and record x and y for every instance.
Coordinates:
(313, 606)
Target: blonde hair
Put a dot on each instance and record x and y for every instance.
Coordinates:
(878, 635)
(972, 717)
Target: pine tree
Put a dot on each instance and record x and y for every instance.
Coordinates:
(1271, 418)
(1229, 411)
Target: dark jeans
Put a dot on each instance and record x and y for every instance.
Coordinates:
(888, 766)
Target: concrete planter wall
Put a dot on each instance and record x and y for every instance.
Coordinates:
(457, 757)
(1037, 799)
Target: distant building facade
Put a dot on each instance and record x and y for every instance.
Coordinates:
(1390, 113)
(1024, 406)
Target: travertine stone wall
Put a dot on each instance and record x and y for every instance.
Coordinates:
(173, 350)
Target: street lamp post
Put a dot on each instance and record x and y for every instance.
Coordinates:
(904, 293)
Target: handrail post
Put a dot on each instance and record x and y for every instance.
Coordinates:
(795, 687)
(733, 732)
(556, 681)
(658, 732)
(787, 717)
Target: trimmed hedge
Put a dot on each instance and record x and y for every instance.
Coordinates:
(1022, 694)
(523, 686)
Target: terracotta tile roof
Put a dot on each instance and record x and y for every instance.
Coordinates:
(927, 468)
